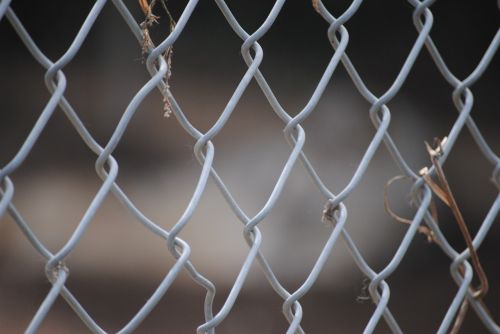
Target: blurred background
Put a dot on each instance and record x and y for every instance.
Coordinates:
(118, 263)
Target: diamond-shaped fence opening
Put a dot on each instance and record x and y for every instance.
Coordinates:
(242, 167)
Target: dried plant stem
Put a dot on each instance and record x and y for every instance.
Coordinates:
(147, 45)
(167, 106)
(442, 190)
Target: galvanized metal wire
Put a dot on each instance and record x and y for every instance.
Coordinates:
(335, 213)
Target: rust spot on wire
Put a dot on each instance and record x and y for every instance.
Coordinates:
(328, 213)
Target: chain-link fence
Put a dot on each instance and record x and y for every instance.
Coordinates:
(429, 185)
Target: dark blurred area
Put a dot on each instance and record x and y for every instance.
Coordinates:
(118, 263)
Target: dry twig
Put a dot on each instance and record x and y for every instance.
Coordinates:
(147, 44)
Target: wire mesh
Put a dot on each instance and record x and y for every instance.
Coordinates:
(335, 213)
